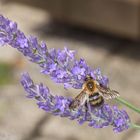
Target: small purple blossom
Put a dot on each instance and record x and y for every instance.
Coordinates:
(61, 65)
(98, 117)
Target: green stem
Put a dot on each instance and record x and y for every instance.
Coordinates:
(122, 101)
(135, 126)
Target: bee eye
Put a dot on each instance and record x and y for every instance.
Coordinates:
(86, 79)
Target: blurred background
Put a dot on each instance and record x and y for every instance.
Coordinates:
(104, 32)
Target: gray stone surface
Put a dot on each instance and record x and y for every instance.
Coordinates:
(20, 119)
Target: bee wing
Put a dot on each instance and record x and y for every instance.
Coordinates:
(80, 99)
(107, 93)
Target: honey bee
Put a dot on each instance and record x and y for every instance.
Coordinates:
(94, 93)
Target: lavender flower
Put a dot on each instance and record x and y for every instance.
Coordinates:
(61, 65)
(97, 117)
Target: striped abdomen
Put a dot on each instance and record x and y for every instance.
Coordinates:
(96, 99)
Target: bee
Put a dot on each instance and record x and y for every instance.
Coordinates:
(94, 93)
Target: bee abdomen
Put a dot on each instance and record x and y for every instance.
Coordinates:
(96, 99)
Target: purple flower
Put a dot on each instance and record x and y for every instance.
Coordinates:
(60, 65)
(96, 117)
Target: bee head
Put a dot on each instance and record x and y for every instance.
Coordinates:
(88, 77)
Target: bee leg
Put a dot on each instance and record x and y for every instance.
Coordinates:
(87, 111)
(86, 107)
